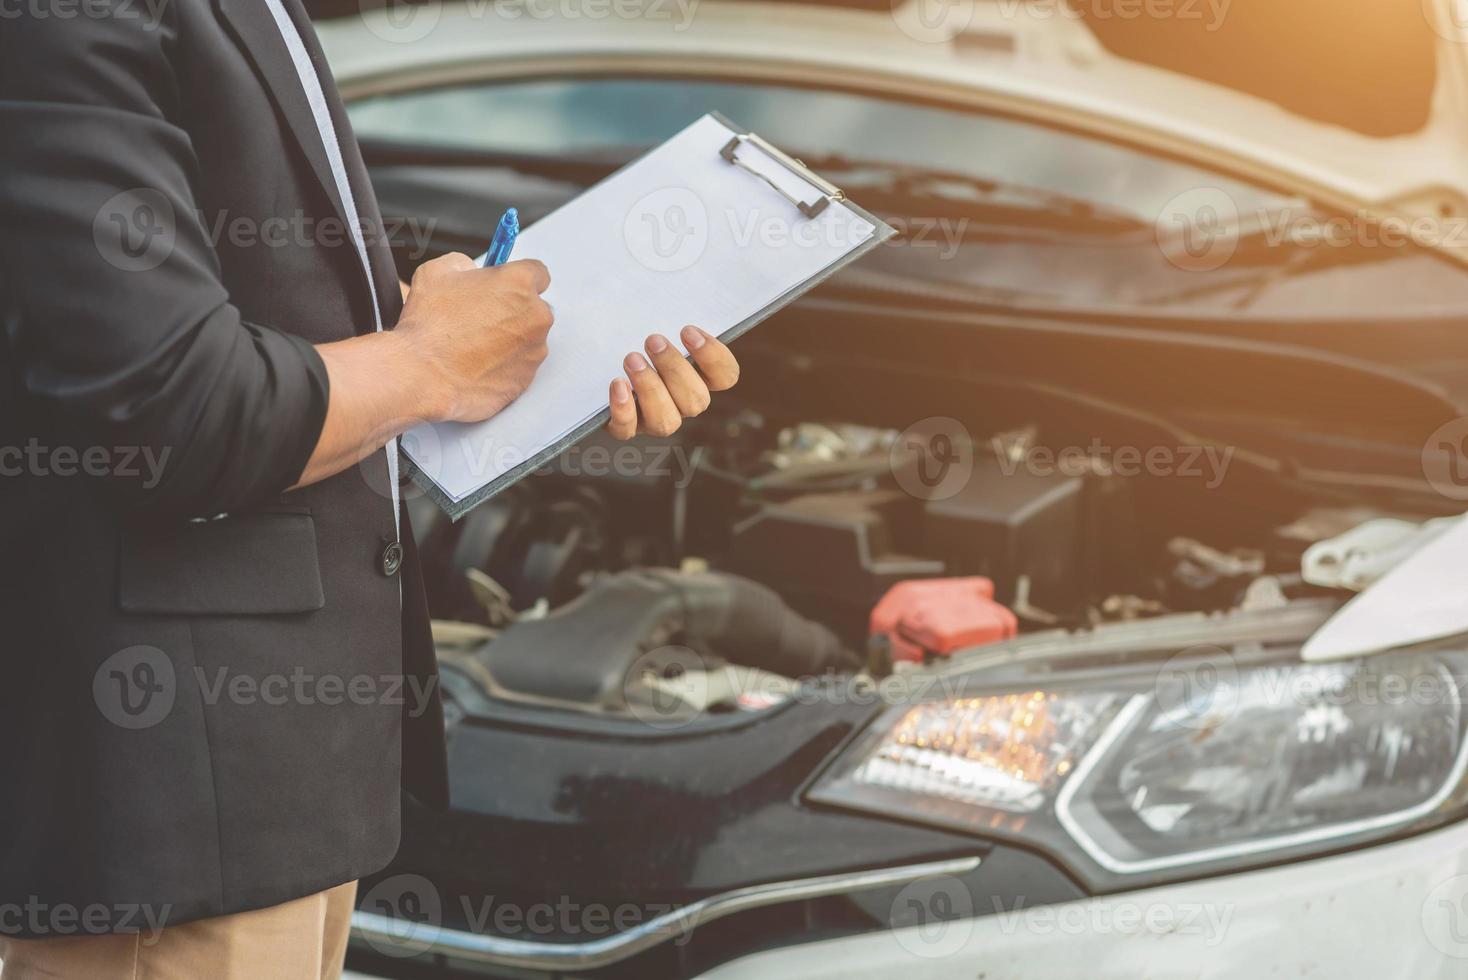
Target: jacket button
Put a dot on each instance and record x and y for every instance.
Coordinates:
(392, 559)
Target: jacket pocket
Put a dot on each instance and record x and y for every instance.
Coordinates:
(255, 564)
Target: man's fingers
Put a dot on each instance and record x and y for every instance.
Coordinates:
(660, 416)
(715, 361)
(449, 262)
(535, 270)
(687, 389)
(623, 424)
(669, 389)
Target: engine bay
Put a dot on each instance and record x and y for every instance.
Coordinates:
(716, 568)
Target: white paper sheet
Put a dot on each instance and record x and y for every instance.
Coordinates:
(680, 236)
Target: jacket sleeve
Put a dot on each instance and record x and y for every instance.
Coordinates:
(116, 321)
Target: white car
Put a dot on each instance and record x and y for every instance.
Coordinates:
(1173, 360)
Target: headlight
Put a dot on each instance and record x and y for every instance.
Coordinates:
(1210, 765)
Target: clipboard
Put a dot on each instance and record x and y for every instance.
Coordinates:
(771, 230)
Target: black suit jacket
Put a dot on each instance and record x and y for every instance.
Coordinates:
(200, 714)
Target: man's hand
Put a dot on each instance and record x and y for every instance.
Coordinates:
(480, 332)
(669, 389)
(468, 343)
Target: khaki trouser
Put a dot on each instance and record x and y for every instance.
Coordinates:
(301, 940)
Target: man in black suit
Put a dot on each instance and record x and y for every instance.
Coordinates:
(218, 673)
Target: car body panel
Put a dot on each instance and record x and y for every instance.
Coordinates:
(1389, 911)
(1049, 69)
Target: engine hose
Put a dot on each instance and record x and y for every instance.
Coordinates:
(583, 652)
(748, 623)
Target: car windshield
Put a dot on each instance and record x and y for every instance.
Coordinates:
(998, 207)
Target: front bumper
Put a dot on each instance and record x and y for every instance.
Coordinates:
(460, 947)
(1391, 911)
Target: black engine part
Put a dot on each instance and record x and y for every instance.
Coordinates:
(833, 554)
(583, 652)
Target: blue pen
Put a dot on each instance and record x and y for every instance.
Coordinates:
(503, 242)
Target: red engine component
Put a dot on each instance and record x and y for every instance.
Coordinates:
(926, 618)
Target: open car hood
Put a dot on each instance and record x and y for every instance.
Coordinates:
(1359, 105)
(1424, 598)
(1355, 104)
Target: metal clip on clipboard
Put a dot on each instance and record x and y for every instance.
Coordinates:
(829, 191)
